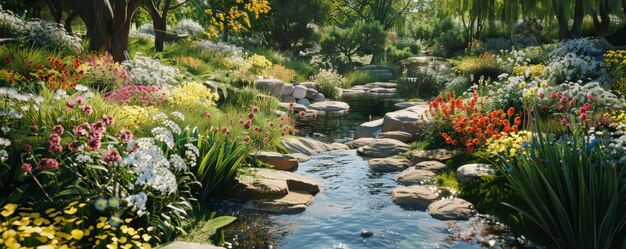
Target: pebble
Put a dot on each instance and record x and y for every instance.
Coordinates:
(366, 233)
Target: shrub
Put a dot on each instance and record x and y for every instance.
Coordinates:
(572, 67)
(190, 27)
(192, 95)
(418, 84)
(134, 116)
(258, 64)
(280, 72)
(148, 71)
(571, 188)
(327, 82)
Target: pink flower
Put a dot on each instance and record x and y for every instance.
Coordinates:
(70, 104)
(99, 127)
(541, 95)
(255, 109)
(81, 130)
(108, 120)
(33, 129)
(587, 106)
(111, 156)
(26, 167)
(302, 113)
(93, 143)
(58, 129)
(87, 109)
(73, 146)
(54, 139)
(572, 103)
(590, 97)
(552, 95)
(55, 149)
(564, 100)
(80, 100)
(250, 115)
(27, 147)
(48, 164)
(125, 135)
(583, 116)
(564, 122)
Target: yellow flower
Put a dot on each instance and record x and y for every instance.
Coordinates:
(543, 84)
(522, 85)
(77, 234)
(70, 210)
(8, 209)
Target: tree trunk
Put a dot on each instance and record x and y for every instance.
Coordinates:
(160, 31)
(68, 22)
(579, 13)
(561, 18)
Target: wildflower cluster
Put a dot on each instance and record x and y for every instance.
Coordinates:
(135, 116)
(190, 27)
(529, 71)
(58, 74)
(234, 16)
(103, 73)
(508, 143)
(280, 72)
(570, 107)
(465, 122)
(192, 64)
(574, 60)
(192, 94)
(136, 95)
(615, 62)
(148, 71)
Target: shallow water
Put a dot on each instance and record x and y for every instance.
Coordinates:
(352, 199)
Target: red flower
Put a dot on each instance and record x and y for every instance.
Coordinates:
(583, 116)
(510, 112)
(517, 121)
(26, 167)
(255, 109)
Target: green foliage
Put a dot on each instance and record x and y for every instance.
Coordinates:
(418, 84)
(448, 179)
(361, 77)
(361, 39)
(482, 66)
(327, 82)
(572, 188)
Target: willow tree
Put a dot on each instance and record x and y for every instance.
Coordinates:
(348, 13)
(108, 24)
(234, 16)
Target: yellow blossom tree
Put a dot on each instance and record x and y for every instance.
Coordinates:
(233, 16)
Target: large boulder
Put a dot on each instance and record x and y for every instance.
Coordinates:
(401, 136)
(304, 145)
(404, 105)
(412, 176)
(368, 129)
(418, 156)
(309, 84)
(287, 99)
(310, 93)
(249, 188)
(455, 209)
(300, 157)
(318, 97)
(358, 143)
(389, 164)
(414, 195)
(435, 166)
(402, 120)
(293, 202)
(287, 90)
(299, 92)
(383, 147)
(277, 160)
(294, 182)
(272, 86)
(330, 107)
(473, 171)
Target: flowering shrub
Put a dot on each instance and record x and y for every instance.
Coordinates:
(193, 65)
(136, 95)
(71, 226)
(574, 60)
(512, 59)
(326, 82)
(466, 122)
(56, 73)
(615, 62)
(258, 64)
(38, 32)
(102, 72)
(509, 143)
(148, 71)
(280, 72)
(579, 47)
(144, 33)
(529, 71)
(190, 27)
(135, 116)
(192, 94)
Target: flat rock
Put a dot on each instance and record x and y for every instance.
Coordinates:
(304, 145)
(294, 182)
(435, 166)
(299, 92)
(402, 120)
(383, 147)
(293, 202)
(360, 142)
(389, 164)
(415, 195)
(412, 175)
(368, 129)
(401, 136)
(330, 106)
(249, 187)
(380, 90)
(272, 86)
(472, 171)
(403, 105)
(309, 84)
(380, 85)
(419, 156)
(300, 157)
(455, 209)
(277, 160)
(338, 146)
(188, 245)
(359, 88)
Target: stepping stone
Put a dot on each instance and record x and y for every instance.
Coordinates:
(435, 166)
(358, 143)
(249, 188)
(338, 146)
(277, 160)
(412, 175)
(388, 164)
(401, 136)
(383, 147)
(415, 195)
(368, 129)
(380, 85)
(294, 202)
(300, 157)
(304, 145)
(473, 171)
(419, 156)
(455, 209)
(188, 245)
(330, 106)
(295, 182)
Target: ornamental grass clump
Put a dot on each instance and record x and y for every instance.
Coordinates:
(327, 82)
(572, 188)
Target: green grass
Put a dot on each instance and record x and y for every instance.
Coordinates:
(357, 77)
(448, 179)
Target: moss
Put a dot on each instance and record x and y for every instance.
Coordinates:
(448, 179)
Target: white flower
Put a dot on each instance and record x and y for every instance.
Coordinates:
(60, 94)
(84, 158)
(159, 116)
(5, 142)
(6, 129)
(172, 126)
(137, 202)
(179, 115)
(191, 153)
(81, 88)
(189, 26)
(177, 162)
(148, 71)
(4, 155)
(164, 135)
